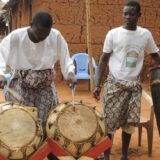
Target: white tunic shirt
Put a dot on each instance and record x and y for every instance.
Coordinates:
(19, 52)
(128, 48)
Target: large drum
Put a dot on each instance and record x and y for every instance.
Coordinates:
(76, 128)
(20, 131)
(155, 91)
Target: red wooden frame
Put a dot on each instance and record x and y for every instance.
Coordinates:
(51, 146)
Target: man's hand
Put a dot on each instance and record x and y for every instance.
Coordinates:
(2, 81)
(97, 92)
(72, 79)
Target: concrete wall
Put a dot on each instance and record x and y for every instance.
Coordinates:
(70, 18)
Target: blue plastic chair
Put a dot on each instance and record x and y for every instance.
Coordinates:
(81, 61)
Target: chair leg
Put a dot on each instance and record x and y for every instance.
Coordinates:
(149, 129)
(139, 135)
(89, 85)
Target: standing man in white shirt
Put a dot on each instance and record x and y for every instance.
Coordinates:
(31, 53)
(123, 51)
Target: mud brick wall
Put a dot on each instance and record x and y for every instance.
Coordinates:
(70, 18)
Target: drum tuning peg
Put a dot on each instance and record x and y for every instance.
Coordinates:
(55, 111)
(64, 146)
(93, 144)
(101, 118)
(66, 102)
(39, 134)
(34, 147)
(50, 125)
(74, 108)
(57, 138)
(81, 101)
(94, 107)
(34, 110)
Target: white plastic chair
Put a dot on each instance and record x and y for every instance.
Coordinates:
(81, 61)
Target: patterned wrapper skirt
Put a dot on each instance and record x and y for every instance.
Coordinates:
(36, 88)
(121, 103)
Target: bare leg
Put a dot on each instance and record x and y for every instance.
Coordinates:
(125, 145)
(107, 152)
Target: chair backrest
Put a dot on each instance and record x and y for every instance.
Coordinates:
(81, 61)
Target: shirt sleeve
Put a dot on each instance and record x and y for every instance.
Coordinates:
(2, 65)
(3, 69)
(151, 46)
(4, 54)
(64, 56)
(108, 43)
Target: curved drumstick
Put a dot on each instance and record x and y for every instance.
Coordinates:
(14, 94)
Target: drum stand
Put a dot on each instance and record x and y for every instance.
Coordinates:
(51, 146)
(2, 158)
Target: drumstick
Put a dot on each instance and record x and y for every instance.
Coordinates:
(73, 94)
(14, 94)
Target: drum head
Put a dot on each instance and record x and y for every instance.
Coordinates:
(77, 123)
(17, 128)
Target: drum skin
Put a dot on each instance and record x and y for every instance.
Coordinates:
(76, 128)
(155, 91)
(20, 131)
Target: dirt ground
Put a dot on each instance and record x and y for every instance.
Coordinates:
(135, 152)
